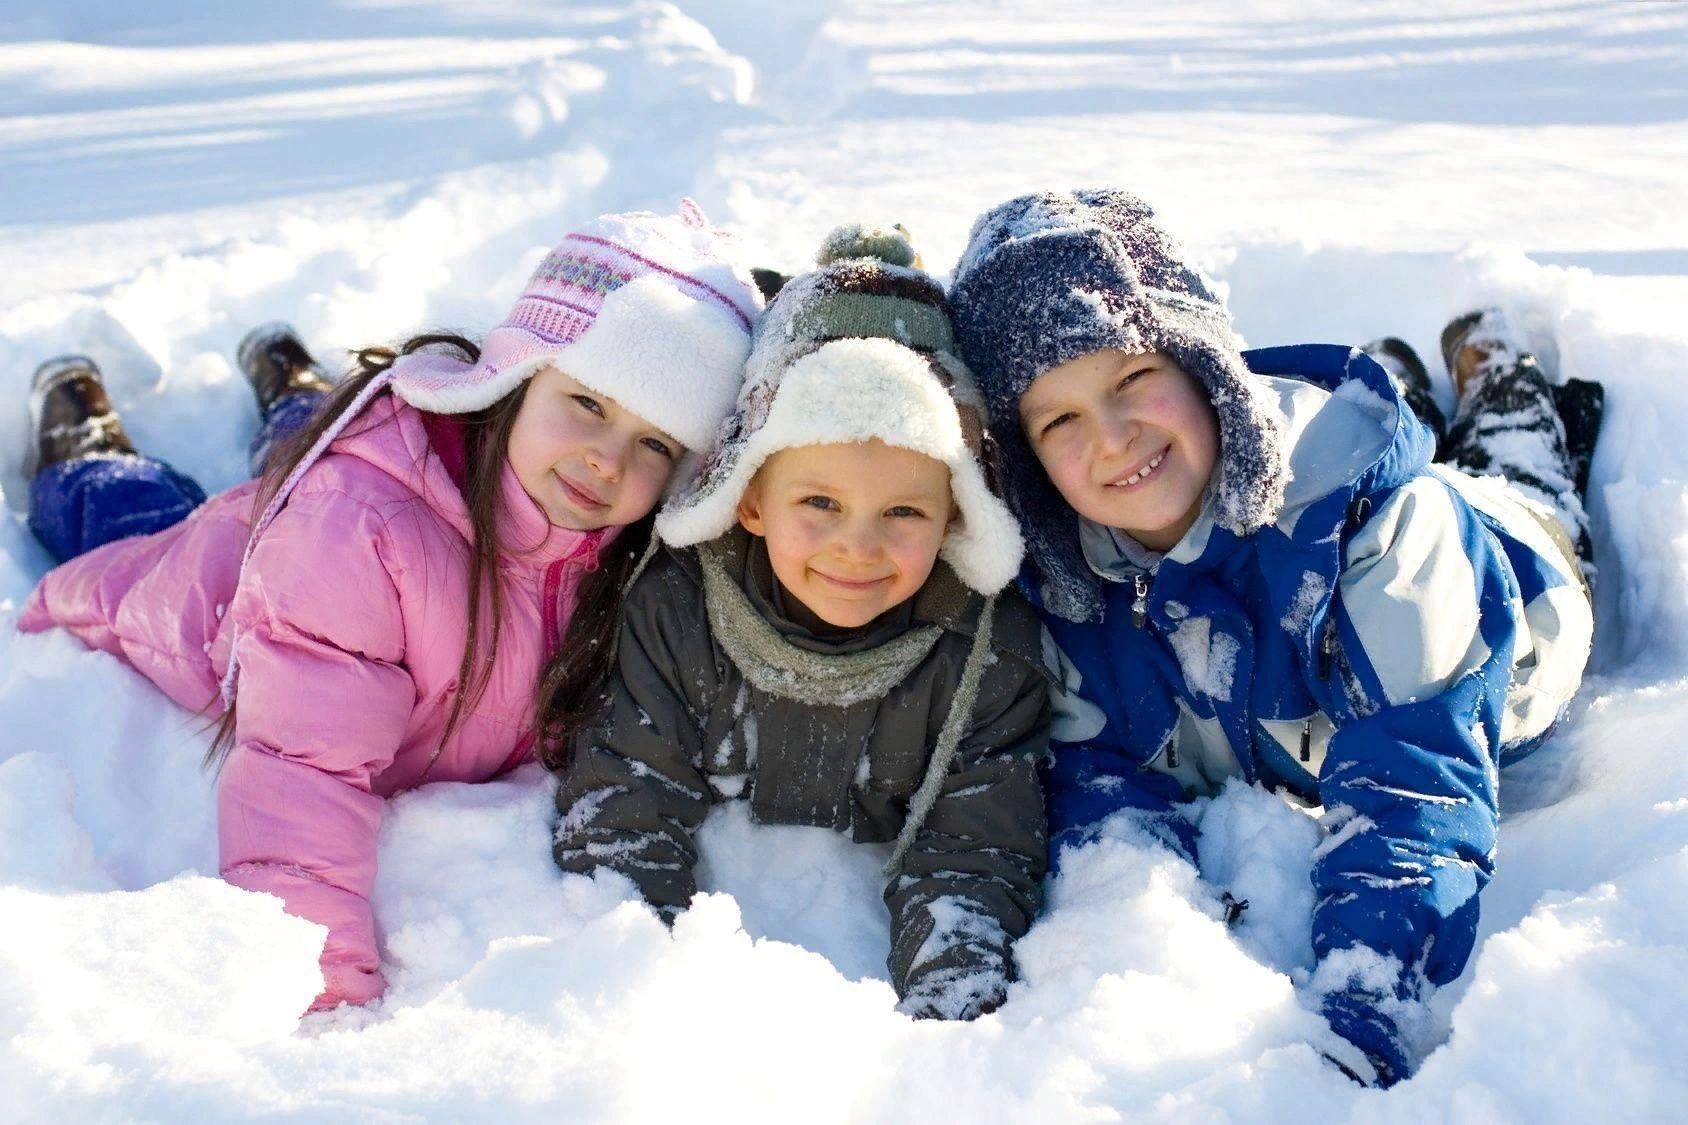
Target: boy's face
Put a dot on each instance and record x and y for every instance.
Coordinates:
(1130, 441)
(853, 529)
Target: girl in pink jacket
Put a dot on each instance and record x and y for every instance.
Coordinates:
(448, 533)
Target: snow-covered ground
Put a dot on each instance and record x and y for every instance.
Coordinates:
(172, 173)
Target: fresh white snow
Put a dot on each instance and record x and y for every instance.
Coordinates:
(172, 174)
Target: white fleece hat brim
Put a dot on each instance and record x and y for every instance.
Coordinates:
(855, 390)
(674, 361)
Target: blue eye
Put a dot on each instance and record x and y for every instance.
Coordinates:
(905, 511)
(821, 503)
(591, 404)
(659, 447)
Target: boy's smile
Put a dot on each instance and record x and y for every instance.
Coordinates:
(853, 529)
(1129, 439)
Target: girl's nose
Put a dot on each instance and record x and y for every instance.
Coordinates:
(607, 459)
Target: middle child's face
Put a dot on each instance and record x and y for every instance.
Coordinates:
(853, 529)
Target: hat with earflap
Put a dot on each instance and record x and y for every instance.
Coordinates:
(861, 348)
(646, 309)
(1052, 276)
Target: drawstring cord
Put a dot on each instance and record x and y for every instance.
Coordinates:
(949, 739)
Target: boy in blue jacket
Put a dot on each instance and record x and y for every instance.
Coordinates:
(1254, 569)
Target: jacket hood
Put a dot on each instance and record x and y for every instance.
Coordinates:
(1342, 429)
(1052, 276)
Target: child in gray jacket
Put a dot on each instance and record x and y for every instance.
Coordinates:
(826, 634)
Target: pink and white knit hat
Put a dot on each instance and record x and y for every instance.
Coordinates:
(645, 309)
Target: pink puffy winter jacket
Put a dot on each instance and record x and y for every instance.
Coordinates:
(351, 620)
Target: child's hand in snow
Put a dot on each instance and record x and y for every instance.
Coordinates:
(1368, 1046)
(955, 994)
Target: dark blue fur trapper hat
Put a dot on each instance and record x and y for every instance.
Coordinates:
(1049, 277)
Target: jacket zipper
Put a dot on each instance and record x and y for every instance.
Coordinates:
(1140, 618)
(1358, 510)
(553, 611)
(1140, 605)
(1307, 740)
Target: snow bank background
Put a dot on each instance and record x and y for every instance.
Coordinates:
(171, 174)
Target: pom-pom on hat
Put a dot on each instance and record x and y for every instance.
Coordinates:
(858, 349)
(641, 307)
(1053, 276)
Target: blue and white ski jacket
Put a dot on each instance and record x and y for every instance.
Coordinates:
(1379, 649)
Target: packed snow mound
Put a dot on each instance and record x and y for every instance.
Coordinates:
(169, 179)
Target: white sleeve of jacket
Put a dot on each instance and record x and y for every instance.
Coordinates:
(1410, 592)
(1557, 627)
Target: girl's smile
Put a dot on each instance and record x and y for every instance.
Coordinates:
(584, 497)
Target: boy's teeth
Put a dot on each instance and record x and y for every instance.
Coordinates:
(1146, 469)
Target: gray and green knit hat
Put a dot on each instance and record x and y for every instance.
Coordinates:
(860, 348)
(1053, 276)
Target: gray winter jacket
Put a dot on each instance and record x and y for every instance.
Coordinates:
(719, 694)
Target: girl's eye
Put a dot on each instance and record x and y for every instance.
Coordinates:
(591, 404)
(1131, 378)
(659, 447)
(905, 512)
(821, 503)
(1059, 420)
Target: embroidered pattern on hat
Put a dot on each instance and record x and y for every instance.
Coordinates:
(693, 287)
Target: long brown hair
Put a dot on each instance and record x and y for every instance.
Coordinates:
(571, 689)
(486, 438)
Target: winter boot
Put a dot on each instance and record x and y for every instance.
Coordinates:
(1509, 422)
(71, 415)
(1408, 374)
(1481, 339)
(277, 365)
(1581, 404)
(1477, 341)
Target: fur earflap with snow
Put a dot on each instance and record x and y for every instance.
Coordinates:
(1053, 276)
(861, 348)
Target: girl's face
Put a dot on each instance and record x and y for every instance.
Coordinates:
(1130, 441)
(852, 529)
(583, 459)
